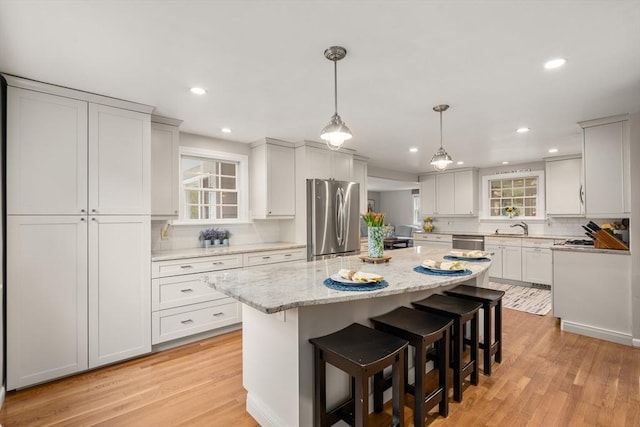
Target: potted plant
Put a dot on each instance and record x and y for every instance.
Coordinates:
(225, 237)
(207, 236)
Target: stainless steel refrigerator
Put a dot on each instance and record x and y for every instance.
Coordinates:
(333, 218)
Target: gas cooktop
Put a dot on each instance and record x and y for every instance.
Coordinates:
(578, 242)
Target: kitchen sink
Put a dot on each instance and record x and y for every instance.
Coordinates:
(510, 234)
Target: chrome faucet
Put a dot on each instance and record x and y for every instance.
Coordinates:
(524, 226)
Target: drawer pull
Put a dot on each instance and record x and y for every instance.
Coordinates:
(186, 266)
(186, 290)
(266, 257)
(217, 263)
(287, 255)
(220, 313)
(184, 322)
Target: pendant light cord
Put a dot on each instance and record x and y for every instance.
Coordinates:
(441, 129)
(335, 84)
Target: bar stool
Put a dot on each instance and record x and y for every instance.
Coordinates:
(488, 298)
(360, 352)
(460, 311)
(421, 329)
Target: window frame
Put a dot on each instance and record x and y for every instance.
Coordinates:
(242, 185)
(540, 196)
(416, 210)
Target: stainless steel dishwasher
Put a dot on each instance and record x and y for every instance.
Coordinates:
(467, 242)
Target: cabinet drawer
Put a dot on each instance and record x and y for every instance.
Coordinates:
(272, 257)
(169, 292)
(503, 241)
(180, 322)
(432, 238)
(195, 265)
(537, 243)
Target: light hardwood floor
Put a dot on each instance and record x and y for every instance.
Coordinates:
(546, 378)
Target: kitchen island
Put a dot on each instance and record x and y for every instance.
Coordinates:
(285, 305)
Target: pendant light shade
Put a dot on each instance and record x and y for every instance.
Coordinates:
(336, 132)
(441, 159)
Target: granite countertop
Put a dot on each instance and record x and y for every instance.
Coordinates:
(278, 287)
(589, 249)
(511, 235)
(167, 255)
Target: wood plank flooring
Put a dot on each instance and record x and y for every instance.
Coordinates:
(546, 378)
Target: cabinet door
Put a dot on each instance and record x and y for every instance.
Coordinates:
(164, 169)
(496, 260)
(119, 288)
(537, 265)
(428, 195)
(445, 186)
(280, 181)
(360, 176)
(46, 154)
(318, 163)
(341, 166)
(564, 187)
(46, 298)
(512, 262)
(466, 193)
(119, 161)
(604, 169)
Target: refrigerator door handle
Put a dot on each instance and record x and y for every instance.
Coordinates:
(340, 215)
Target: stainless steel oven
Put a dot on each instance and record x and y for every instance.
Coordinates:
(467, 242)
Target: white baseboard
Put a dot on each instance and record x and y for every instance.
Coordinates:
(2, 393)
(600, 333)
(636, 342)
(262, 414)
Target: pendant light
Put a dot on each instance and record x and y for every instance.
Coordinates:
(441, 159)
(336, 132)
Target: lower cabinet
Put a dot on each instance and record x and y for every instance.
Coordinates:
(507, 257)
(440, 241)
(520, 258)
(537, 261)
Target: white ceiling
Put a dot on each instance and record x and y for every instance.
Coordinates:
(263, 66)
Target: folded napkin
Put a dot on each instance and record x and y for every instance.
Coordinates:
(468, 254)
(359, 276)
(444, 265)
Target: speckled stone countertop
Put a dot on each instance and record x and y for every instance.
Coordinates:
(277, 287)
(589, 249)
(513, 235)
(224, 250)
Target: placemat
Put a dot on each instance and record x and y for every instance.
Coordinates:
(455, 258)
(423, 270)
(338, 286)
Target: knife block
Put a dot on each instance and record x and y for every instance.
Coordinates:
(604, 240)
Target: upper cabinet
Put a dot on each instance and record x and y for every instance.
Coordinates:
(327, 164)
(449, 193)
(564, 189)
(165, 144)
(68, 156)
(360, 176)
(606, 149)
(272, 165)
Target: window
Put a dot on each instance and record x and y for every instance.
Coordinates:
(513, 195)
(416, 209)
(213, 186)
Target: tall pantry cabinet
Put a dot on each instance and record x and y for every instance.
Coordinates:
(78, 231)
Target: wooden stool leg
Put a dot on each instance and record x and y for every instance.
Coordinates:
(378, 389)
(320, 390)
(457, 360)
(443, 378)
(486, 354)
(361, 407)
(498, 311)
(420, 366)
(397, 371)
(475, 331)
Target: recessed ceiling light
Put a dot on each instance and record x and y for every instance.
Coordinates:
(554, 63)
(198, 90)
(523, 130)
(553, 150)
(460, 163)
(225, 130)
(505, 163)
(413, 150)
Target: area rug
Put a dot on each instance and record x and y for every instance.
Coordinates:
(523, 298)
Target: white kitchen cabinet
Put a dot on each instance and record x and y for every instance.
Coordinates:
(507, 257)
(449, 193)
(440, 241)
(119, 161)
(606, 147)
(46, 298)
(46, 153)
(165, 144)
(272, 165)
(537, 261)
(119, 291)
(273, 257)
(428, 195)
(360, 176)
(341, 166)
(564, 189)
(327, 164)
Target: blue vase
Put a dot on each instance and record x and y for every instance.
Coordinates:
(375, 244)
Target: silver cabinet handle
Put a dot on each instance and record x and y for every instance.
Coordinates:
(82, 219)
(266, 257)
(186, 290)
(82, 210)
(184, 322)
(580, 195)
(94, 210)
(220, 313)
(217, 263)
(186, 266)
(94, 219)
(287, 255)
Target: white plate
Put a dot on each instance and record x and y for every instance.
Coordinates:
(338, 278)
(440, 270)
(484, 255)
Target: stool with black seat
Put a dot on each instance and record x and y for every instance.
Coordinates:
(421, 329)
(488, 298)
(361, 352)
(460, 311)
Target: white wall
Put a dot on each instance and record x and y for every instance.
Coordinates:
(398, 207)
